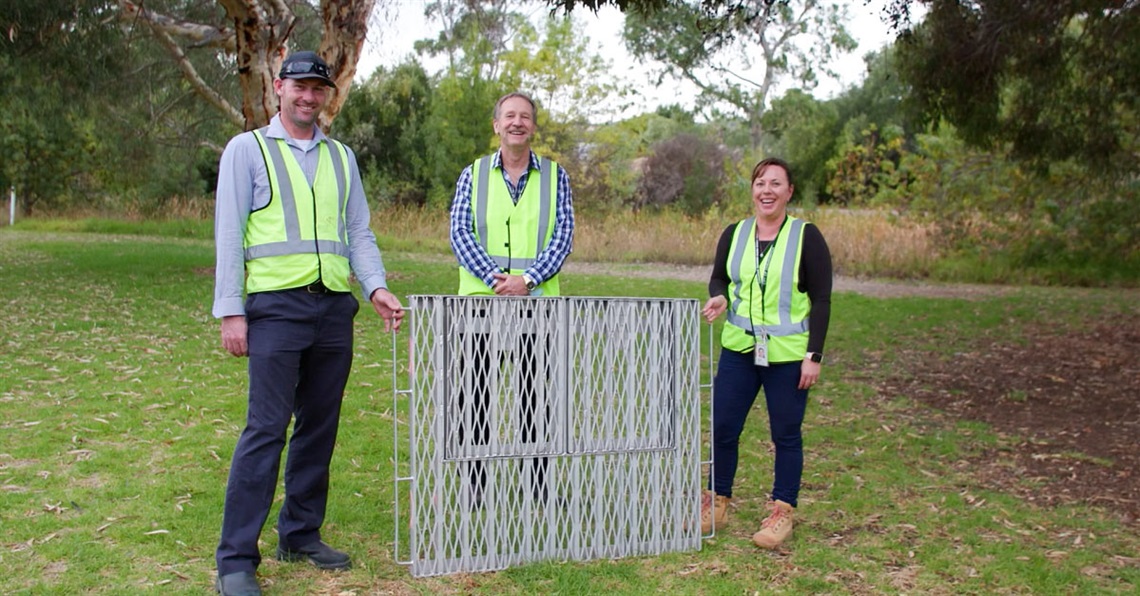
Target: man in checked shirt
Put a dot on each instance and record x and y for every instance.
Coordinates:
(512, 227)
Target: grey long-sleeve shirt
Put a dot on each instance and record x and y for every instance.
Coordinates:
(243, 186)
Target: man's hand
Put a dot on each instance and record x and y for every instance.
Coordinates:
(510, 285)
(234, 332)
(388, 306)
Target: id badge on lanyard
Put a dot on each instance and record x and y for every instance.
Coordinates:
(760, 356)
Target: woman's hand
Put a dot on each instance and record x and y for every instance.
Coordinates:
(714, 307)
(809, 373)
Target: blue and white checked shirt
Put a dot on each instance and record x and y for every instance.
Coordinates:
(475, 259)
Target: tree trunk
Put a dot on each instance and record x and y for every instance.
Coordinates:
(345, 24)
(261, 30)
(259, 40)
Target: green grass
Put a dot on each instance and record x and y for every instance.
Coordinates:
(121, 410)
(172, 228)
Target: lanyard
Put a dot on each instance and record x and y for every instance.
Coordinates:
(764, 257)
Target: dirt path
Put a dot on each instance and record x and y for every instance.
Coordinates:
(876, 288)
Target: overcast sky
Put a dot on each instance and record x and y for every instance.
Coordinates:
(391, 40)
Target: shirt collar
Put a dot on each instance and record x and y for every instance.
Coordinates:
(497, 161)
(276, 130)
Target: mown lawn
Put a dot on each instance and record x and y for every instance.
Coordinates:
(121, 410)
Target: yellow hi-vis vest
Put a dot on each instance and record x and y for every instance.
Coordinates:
(302, 234)
(512, 234)
(783, 313)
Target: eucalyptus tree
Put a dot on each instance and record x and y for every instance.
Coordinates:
(497, 46)
(123, 100)
(474, 34)
(1055, 80)
(1054, 88)
(736, 53)
(38, 134)
(252, 37)
(90, 114)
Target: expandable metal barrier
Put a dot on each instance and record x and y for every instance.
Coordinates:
(547, 428)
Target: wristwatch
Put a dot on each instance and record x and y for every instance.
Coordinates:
(530, 283)
(814, 356)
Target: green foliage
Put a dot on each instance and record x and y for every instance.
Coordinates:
(46, 133)
(1055, 80)
(608, 168)
(475, 35)
(685, 172)
(562, 70)
(601, 171)
(802, 130)
(95, 111)
(493, 50)
(570, 82)
(382, 120)
(865, 165)
(716, 45)
(458, 130)
(871, 130)
(1064, 225)
(35, 143)
(882, 98)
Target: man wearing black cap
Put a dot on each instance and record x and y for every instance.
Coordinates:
(291, 227)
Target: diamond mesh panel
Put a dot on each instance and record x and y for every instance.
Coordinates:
(550, 428)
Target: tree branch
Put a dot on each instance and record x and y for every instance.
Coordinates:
(201, 35)
(731, 73)
(191, 75)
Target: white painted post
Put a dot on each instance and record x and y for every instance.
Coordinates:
(12, 205)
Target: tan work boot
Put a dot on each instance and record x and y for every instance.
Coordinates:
(777, 527)
(714, 507)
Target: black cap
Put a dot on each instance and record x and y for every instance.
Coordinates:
(306, 65)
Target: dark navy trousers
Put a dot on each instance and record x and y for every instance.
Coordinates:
(738, 381)
(300, 354)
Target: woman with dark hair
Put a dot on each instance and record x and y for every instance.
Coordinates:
(772, 276)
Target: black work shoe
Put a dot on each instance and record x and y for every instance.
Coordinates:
(242, 583)
(318, 553)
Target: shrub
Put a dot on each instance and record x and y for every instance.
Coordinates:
(685, 171)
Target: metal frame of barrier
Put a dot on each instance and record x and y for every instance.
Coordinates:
(547, 428)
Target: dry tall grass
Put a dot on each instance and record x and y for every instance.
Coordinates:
(194, 208)
(876, 243)
(870, 243)
(863, 243)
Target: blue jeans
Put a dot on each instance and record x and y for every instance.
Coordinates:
(737, 383)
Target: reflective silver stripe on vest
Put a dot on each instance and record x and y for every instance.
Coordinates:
(341, 190)
(280, 249)
(515, 262)
(484, 167)
(545, 205)
(285, 189)
(293, 243)
(735, 258)
(787, 284)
